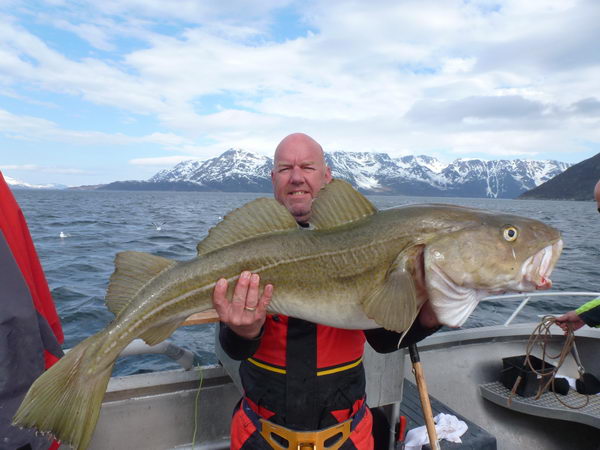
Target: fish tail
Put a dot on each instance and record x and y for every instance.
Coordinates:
(65, 401)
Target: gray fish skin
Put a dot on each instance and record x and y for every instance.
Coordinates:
(373, 271)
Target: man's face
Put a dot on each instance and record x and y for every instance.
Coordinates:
(298, 175)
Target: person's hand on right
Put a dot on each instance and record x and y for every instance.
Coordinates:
(245, 314)
(571, 318)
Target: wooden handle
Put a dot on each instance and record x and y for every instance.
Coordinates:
(426, 406)
(207, 316)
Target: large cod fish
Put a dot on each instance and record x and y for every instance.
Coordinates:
(356, 267)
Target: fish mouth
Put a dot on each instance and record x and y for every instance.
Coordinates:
(536, 270)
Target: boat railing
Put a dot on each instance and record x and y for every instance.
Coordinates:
(185, 358)
(526, 296)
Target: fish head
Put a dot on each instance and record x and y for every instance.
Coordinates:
(492, 254)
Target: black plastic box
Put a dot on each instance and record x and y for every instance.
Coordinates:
(515, 366)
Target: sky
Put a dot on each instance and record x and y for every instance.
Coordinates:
(98, 91)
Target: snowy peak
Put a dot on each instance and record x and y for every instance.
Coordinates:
(233, 170)
(501, 178)
(239, 170)
(361, 169)
(18, 184)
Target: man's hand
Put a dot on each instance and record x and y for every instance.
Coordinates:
(572, 318)
(245, 314)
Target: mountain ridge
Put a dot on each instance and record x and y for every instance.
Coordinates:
(238, 170)
(373, 173)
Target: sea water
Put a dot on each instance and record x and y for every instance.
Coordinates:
(78, 233)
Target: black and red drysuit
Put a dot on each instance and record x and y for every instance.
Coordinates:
(305, 376)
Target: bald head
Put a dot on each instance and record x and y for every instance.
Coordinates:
(299, 173)
(299, 141)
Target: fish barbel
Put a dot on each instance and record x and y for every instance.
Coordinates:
(355, 267)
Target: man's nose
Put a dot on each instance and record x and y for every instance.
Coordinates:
(296, 176)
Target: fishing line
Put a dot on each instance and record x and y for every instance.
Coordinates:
(541, 336)
(196, 402)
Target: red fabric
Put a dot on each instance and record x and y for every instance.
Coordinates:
(344, 414)
(335, 346)
(260, 410)
(16, 232)
(242, 428)
(361, 436)
(273, 343)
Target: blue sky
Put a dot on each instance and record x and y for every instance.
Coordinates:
(93, 92)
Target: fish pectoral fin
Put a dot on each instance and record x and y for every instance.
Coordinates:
(157, 334)
(396, 302)
(339, 203)
(260, 216)
(133, 270)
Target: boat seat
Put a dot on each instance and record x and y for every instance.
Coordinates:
(547, 405)
(475, 438)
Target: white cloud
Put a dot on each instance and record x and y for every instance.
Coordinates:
(36, 129)
(501, 78)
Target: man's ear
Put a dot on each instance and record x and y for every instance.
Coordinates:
(328, 176)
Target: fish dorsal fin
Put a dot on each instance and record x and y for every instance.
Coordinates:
(339, 203)
(132, 271)
(260, 216)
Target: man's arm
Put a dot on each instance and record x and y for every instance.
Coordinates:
(587, 314)
(385, 341)
(590, 313)
(235, 346)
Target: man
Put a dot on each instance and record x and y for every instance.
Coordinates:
(297, 374)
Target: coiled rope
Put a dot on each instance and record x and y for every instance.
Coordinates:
(541, 336)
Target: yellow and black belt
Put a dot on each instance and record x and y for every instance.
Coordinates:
(283, 438)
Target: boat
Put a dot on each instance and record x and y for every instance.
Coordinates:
(190, 408)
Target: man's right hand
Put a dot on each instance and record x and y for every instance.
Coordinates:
(569, 319)
(245, 314)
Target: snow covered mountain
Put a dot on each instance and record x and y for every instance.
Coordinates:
(18, 184)
(241, 171)
(234, 171)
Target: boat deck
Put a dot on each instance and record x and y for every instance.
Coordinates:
(475, 437)
(548, 405)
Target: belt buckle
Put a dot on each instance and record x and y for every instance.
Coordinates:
(306, 446)
(304, 440)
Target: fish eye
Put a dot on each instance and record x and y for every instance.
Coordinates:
(510, 233)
